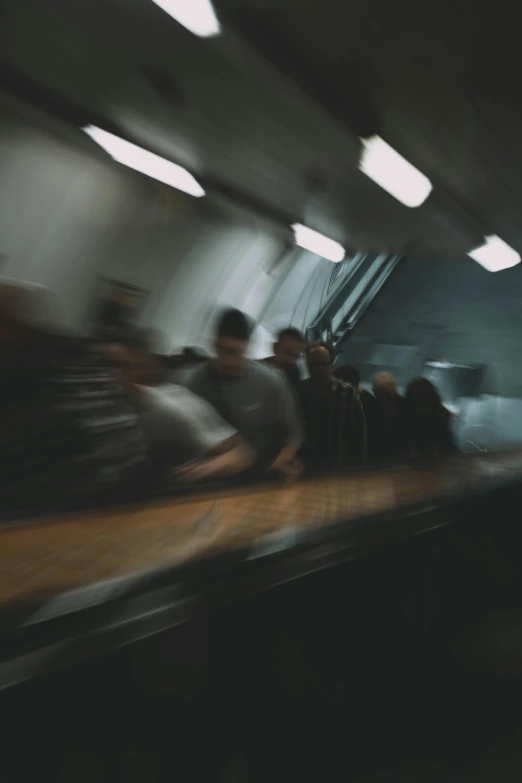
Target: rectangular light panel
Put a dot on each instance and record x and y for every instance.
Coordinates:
(146, 162)
(393, 173)
(495, 255)
(198, 16)
(318, 243)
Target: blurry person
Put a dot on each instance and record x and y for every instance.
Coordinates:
(385, 385)
(182, 364)
(183, 431)
(288, 348)
(252, 398)
(385, 420)
(67, 429)
(348, 374)
(351, 375)
(427, 422)
(333, 414)
(116, 309)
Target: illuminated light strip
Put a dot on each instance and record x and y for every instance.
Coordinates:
(495, 255)
(146, 162)
(382, 164)
(318, 243)
(197, 16)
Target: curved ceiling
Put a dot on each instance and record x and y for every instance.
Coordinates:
(270, 112)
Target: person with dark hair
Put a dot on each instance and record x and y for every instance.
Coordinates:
(348, 374)
(385, 420)
(232, 333)
(183, 431)
(427, 422)
(333, 414)
(251, 397)
(288, 348)
(351, 375)
(68, 430)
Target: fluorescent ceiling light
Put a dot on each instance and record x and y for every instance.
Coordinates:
(146, 162)
(393, 173)
(317, 243)
(495, 255)
(198, 16)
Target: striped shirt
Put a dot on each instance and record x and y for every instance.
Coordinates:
(68, 429)
(334, 424)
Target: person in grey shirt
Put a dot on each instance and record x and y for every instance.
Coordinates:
(253, 398)
(183, 432)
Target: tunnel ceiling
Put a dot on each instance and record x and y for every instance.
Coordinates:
(272, 109)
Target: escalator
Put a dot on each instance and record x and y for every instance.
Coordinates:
(348, 302)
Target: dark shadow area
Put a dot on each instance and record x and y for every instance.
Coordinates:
(368, 653)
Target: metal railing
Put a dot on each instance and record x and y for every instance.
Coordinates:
(361, 286)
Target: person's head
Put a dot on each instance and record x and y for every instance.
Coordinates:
(384, 385)
(422, 396)
(320, 357)
(230, 342)
(349, 374)
(129, 352)
(289, 347)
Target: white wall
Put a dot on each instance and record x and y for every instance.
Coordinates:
(58, 216)
(224, 265)
(69, 215)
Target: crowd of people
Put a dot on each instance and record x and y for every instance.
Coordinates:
(81, 416)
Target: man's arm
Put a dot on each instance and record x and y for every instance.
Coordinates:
(291, 432)
(223, 451)
(230, 458)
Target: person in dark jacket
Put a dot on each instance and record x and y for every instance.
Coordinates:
(427, 422)
(335, 432)
(351, 375)
(288, 348)
(386, 428)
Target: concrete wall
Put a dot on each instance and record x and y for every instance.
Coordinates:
(69, 216)
(454, 310)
